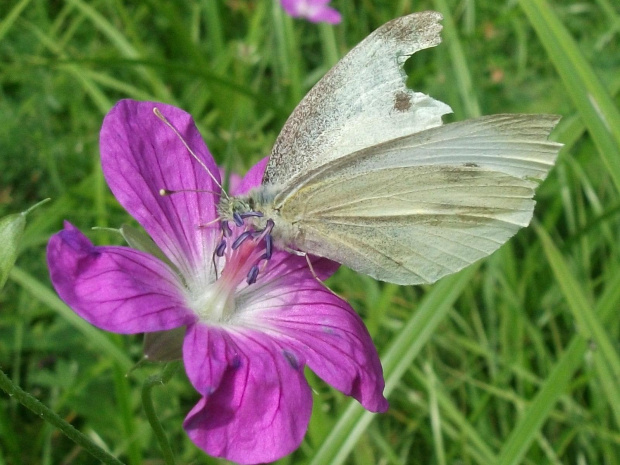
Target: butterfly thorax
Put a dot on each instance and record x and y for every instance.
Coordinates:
(255, 209)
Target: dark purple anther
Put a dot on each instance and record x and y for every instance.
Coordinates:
(252, 274)
(249, 214)
(242, 237)
(238, 219)
(268, 246)
(221, 248)
(226, 229)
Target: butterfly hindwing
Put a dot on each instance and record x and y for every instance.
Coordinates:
(415, 209)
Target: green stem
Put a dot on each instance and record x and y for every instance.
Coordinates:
(149, 408)
(34, 405)
(36, 205)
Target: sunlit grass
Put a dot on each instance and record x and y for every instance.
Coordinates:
(512, 361)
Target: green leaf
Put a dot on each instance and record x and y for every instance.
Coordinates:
(11, 231)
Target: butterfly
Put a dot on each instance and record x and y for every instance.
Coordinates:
(365, 173)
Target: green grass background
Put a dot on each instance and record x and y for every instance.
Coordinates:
(514, 360)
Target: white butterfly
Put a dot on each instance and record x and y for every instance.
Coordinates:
(364, 172)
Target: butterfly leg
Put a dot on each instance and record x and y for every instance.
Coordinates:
(299, 253)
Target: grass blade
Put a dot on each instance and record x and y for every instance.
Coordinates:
(398, 358)
(571, 360)
(597, 108)
(588, 323)
(96, 337)
(9, 20)
(122, 44)
(459, 62)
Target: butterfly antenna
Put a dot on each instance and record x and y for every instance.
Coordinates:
(166, 192)
(210, 223)
(170, 125)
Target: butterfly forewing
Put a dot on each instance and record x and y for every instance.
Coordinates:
(361, 102)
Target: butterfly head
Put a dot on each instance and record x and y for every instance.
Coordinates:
(257, 211)
(239, 209)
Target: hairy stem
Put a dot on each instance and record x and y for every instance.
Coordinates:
(38, 408)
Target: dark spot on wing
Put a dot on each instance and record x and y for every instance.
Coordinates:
(460, 175)
(471, 165)
(402, 101)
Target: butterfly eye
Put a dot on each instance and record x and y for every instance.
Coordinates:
(251, 203)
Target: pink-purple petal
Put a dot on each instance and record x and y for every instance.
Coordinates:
(283, 264)
(115, 288)
(207, 355)
(288, 303)
(258, 404)
(326, 15)
(252, 179)
(140, 155)
(312, 10)
(336, 345)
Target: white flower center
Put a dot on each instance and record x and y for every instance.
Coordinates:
(215, 302)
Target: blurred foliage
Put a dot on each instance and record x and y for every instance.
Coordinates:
(240, 67)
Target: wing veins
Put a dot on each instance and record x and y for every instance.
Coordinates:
(356, 241)
(434, 137)
(373, 195)
(352, 238)
(386, 219)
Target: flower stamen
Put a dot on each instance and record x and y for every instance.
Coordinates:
(220, 250)
(252, 274)
(255, 236)
(238, 219)
(241, 239)
(226, 229)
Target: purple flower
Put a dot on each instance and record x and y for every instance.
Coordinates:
(313, 10)
(245, 346)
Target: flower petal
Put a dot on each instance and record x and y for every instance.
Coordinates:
(206, 356)
(326, 15)
(311, 320)
(312, 10)
(141, 155)
(283, 263)
(115, 288)
(252, 179)
(257, 403)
